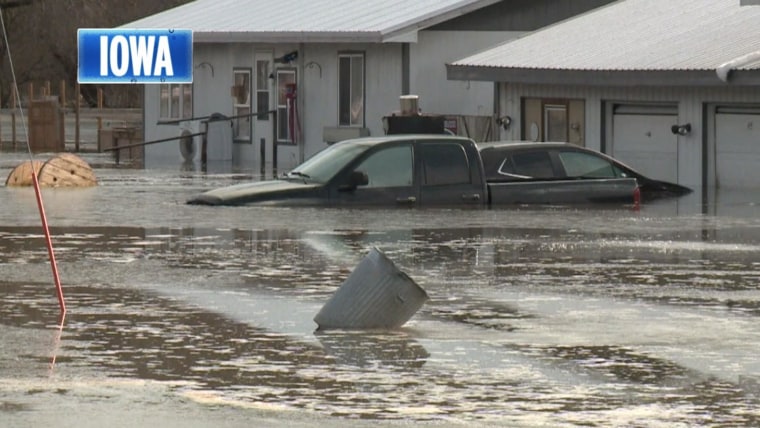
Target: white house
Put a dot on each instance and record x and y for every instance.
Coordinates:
(329, 69)
(670, 87)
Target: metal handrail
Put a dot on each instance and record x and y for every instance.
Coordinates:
(213, 118)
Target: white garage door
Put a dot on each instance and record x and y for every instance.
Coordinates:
(737, 142)
(642, 139)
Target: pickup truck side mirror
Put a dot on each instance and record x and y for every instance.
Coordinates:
(355, 179)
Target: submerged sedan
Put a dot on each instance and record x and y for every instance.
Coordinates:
(518, 161)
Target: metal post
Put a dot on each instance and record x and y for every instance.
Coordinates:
(204, 146)
(274, 143)
(62, 93)
(262, 155)
(13, 128)
(13, 116)
(100, 128)
(114, 144)
(76, 121)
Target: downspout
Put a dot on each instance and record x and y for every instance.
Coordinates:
(496, 136)
(405, 69)
(724, 70)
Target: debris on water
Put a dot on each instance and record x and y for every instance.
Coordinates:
(62, 170)
(376, 295)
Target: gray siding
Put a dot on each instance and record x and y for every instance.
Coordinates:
(691, 107)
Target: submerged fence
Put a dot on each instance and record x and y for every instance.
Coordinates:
(55, 117)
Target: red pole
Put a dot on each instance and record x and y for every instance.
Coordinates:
(49, 242)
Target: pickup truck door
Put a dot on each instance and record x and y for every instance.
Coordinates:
(449, 175)
(389, 178)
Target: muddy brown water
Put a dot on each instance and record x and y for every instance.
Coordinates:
(202, 316)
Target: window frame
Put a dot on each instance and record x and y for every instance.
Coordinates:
(168, 93)
(574, 158)
(360, 120)
(512, 170)
(444, 175)
(240, 108)
(560, 107)
(263, 88)
(375, 158)
(282, 105)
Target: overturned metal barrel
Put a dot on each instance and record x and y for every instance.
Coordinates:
(377, 295)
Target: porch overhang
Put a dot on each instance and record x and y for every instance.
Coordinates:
(601, 77)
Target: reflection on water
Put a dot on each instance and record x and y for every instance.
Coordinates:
(480, 350)
(370, 349)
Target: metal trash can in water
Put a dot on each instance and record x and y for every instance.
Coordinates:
(376, 295)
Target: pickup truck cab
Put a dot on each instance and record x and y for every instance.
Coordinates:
(410, 170)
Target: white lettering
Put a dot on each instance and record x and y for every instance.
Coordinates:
(104, 55)
(164, 58)
(142, 54)
(119, 55)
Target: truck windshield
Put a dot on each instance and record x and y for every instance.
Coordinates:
(321, 167)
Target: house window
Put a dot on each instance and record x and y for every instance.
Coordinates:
(241, 95)
(262, 89)
(351, 89)
(176, 101)
(287, 114)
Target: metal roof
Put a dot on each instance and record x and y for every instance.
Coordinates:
(315, 21)
(630, 36)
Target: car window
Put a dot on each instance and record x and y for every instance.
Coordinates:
(581, 164)
(388, 167)
(532, 164)
(322, 166)
(445, 163)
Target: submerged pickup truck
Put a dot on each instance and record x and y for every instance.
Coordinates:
(416, 171)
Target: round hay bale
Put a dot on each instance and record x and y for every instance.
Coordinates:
(66, 170)
(22, 174)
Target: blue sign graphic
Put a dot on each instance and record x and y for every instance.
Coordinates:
(135, 56)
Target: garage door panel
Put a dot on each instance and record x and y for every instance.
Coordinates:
(646, 143)
(737, 163)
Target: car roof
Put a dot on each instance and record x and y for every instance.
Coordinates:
(524, 144)
(371, 141)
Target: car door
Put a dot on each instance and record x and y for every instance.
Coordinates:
(446, 175)
(389, 171)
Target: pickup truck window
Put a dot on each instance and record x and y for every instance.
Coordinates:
(580, 164)
(321, 167)
(388, 167)
(444, 164)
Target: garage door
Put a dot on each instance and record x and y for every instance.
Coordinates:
(641, 138)
(737, 143)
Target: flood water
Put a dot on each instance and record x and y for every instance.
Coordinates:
(185, 315)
